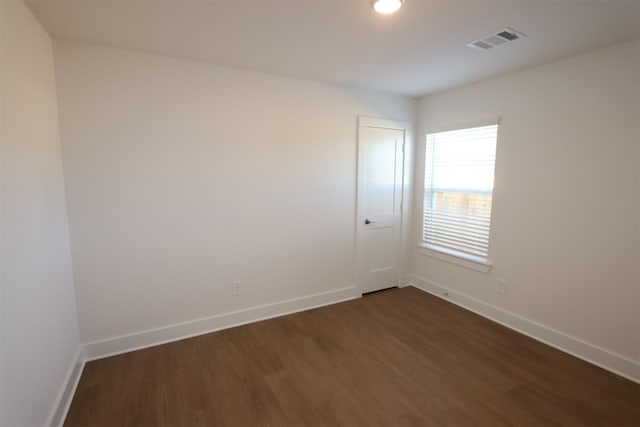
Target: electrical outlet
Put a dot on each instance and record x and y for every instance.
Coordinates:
(237, 288)
(502, 287)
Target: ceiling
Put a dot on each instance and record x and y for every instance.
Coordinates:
(417, 51)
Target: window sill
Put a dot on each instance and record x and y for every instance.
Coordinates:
(454, 257)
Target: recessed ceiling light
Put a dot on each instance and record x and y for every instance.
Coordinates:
(386, 6)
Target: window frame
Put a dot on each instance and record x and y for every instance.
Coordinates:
(470, 261)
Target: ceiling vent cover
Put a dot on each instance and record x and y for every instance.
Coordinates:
(496, 39)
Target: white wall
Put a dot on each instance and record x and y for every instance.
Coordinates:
(184, 176)
(39, 332)
(566, 212)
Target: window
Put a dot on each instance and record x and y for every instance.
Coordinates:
(458, 189)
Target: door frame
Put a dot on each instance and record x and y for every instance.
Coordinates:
(364, 121)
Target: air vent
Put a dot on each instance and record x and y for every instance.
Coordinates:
(496, 39)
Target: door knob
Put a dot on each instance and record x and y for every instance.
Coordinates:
(366, 221)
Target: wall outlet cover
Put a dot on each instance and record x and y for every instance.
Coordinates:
(502, 287)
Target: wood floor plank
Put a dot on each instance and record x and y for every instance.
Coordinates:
(400, 357)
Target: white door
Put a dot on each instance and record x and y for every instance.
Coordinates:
(380, 175)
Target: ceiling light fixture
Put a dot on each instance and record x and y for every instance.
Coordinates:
(386, 6)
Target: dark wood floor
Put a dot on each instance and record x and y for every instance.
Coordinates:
(399, 357)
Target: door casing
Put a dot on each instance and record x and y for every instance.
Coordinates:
(364, 279)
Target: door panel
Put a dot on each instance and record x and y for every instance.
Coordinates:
(380, 178)
(383, 239)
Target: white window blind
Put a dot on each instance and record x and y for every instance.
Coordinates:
(458, 189)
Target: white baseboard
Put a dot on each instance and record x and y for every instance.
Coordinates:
(68, 389)
(126, 343)
(591, 353)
